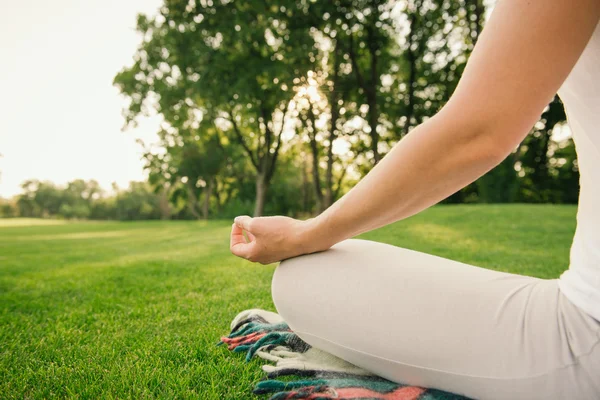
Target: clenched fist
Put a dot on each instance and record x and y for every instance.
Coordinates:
(272, 239)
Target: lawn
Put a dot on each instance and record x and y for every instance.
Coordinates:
(134, 310)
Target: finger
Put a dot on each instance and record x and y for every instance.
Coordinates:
(251, 236)
(244, 222)
(240, 236)
(238, 245)
(243, 250)
(237, 236)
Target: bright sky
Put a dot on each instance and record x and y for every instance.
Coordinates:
(60, 116)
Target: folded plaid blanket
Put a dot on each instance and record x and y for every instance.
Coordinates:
(318, 374)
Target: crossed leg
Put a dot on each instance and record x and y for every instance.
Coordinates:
(423, 320)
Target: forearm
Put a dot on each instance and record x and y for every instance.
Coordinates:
(435, 160)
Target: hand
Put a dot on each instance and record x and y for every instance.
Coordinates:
(272, 239)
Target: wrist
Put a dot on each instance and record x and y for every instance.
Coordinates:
(316, 235)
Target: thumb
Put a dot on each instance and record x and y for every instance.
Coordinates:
(244, 222)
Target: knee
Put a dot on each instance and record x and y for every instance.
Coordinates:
(285, 288)
(296, 288)
(301, 284)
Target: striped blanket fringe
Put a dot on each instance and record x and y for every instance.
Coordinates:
(318, 375)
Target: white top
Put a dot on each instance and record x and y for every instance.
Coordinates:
(580, 94)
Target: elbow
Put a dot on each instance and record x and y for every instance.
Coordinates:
(494, 146)
(488, 138)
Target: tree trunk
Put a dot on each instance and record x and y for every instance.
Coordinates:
(412, 62)
(218, 196)
(207, 194)
(372, 94)
(314, 148)
(370, 90)
(261, 194)
(328, 198)
(192, 200)
(304, 186)
(373, 125)
(315, 175)
(163, 204)
(479, 11)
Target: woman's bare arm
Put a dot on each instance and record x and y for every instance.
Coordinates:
(524, 54)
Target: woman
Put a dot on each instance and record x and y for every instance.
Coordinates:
(456, 327)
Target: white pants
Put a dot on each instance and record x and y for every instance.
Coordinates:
(423, 320)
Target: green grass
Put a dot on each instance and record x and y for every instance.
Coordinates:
(133, 310)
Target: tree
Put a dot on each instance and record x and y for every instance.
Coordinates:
(39, 199)
(234, 61)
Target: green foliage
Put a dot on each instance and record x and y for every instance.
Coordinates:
(83, 200)
(76, 211)
(134, 309)
(549, 169)
(8, 209)
(500, 185)
(39, 199)
(138, 202)
(237, 206)
(287, 191)
(565, 172)
(104, 208)
(541, 170)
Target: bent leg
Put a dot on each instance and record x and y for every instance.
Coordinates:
(423, 320)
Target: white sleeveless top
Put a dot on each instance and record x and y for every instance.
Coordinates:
(580, 94)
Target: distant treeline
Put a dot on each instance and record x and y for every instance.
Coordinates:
(81, 199)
